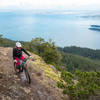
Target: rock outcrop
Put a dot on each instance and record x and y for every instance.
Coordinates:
(42, 87)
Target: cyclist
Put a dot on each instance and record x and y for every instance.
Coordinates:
(18, 55)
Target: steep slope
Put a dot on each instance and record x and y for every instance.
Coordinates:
(44, 78)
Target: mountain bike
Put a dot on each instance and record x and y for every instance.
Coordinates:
(23, 70)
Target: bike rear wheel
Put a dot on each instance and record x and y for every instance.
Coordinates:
(15, 67)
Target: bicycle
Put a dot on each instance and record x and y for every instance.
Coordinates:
(23, 69)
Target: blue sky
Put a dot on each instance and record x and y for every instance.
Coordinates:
(51, 4)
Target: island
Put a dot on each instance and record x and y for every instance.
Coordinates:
(95, 27)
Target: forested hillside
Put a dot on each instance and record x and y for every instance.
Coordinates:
(4, 42)
(73, 62)
(86, 52)
(80, 58)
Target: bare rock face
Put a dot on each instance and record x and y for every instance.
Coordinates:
(11, 88)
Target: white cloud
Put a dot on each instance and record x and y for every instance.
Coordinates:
(50, 4)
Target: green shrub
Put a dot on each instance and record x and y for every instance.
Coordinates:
(81, 85)
(60, 84)
(64, 91)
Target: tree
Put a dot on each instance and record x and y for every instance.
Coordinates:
(47, 50)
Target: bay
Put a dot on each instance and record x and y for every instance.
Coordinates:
(63, 29)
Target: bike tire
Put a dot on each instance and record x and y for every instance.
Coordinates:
(27, 75)
(15, 67)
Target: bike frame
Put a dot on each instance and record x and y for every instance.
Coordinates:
(23, 68)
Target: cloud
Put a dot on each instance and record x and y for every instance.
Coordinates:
(49, 4)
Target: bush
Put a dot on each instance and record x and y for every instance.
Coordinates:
(60, 84)
(81, 85)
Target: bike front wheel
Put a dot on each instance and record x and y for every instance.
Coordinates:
(27, 75)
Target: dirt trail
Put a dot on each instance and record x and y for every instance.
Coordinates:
(10, 85)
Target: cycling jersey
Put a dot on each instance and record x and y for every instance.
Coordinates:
(17, 53)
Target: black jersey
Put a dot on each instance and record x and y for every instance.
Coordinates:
(17, 53)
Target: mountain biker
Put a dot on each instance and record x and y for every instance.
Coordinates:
(18, 55)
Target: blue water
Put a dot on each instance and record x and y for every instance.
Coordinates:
(64, 30)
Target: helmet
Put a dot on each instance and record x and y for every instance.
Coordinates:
(18, 44)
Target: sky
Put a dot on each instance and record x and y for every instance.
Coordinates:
(51, 4)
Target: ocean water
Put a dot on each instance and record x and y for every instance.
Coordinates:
(63, 29)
